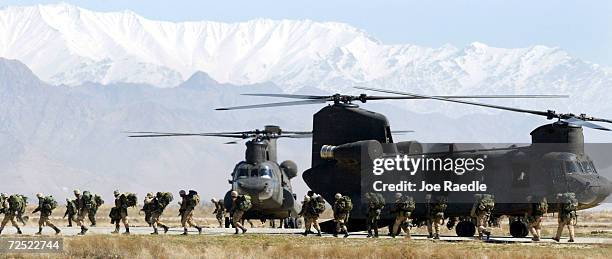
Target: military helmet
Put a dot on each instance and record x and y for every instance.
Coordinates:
(182, 192)
(306, 198)
(213, 200)
(4, 195)
(77, 192)
(116, 193)
(234, 194)
(338, 196)
(67, 200)
(150, 194)
(39, 195)
(398, 195)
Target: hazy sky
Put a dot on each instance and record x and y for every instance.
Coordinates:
(583, 28)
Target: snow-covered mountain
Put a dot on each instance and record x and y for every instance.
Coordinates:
(65, 44)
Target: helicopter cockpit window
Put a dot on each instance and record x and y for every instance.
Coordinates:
(243, 173)
(265, 172)
(587, 167)
(572, 167)
(593, 167)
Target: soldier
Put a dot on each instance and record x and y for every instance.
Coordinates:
(82, 211)
(9, 213)
(158, 204)
(219, 211)
(147, 208)
(404, 205)
(188, 204)
(342, 208)
(534, 214)
(482, 212)
(240, 204)
(95, 203)
(71, 211)
(46, 205)
(375, 205)
(567, 214)
(435, 215)
(307, 212)
(120, 212)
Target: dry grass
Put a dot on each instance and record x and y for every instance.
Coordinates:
(292, 246)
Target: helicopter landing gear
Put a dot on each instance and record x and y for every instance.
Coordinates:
(518, 227)
(465, 228)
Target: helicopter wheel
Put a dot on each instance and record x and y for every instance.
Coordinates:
(465, 229)
(518, 229)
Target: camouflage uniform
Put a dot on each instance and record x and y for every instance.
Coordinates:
(567, 215)
(482, 213)
(71, 211)
(375, 207)
(534, 215)
(186, 212)
(93, 210)
(82, 212)
(148, 208)
(219, 211)
(157, 209)
(121, 212)
(402, 216)
(340, 216)
(236, 213)
(8, 214)
(435, 216)
(45, 211)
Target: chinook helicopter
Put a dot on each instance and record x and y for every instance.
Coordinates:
(267, 182)
(347, 139)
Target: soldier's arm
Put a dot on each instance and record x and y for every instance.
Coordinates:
(36, 210)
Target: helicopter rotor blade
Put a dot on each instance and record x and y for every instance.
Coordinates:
(541, 113)
(169, 134)
(582, 123)
(315, 101)
(401, 132)
(294, 96)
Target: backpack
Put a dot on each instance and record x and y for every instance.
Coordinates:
(17, 203)
(244, 202)
(407, 204)
(486, 202)
(50, 203)
(99, 201)
(344, 204)
(164, 198)
(193, 199)
(130, 199)
(88, 199)
(542, 206)
(569, 202)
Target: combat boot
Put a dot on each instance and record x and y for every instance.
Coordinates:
(318, 233)
(116, 230)
(571, 240)
(1, 230)
(236, 233)
(83, 231)
(369, 233)
(185, 231)
(165, 229)
(244, 230)
(556, 239)
(39, 231)
(376, 232)
(305, 233)
(436, 236)
(430, 235)
(346, 234)
(57, 230)
(127, 231)
(488, 233)
(19, 231)
(154, 232)
(199, 230)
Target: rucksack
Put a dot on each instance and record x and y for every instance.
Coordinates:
(345, 204)
(50, 203)
(99, 201)
(130, 199)
(17, 203)
(569, 202)
(486, 202)
(542, 206)
(88, 199)
(407, 204)
(164, 198)
(244, 202)
(193, 199)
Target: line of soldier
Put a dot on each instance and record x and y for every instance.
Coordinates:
(313, 205)
(85, 205)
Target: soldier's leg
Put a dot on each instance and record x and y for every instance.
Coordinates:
(538, 227)
(316, 226)
(429, 227)
(406, 228)
(237, 218)
(570, 227)
(559, 230)
(437, 222)
(70, 220)
(375, 227)
(14, 222)
(81, 222)
(92, 218)
(124, 219)
(396, 226)
(5, 220)
(41, 224)
(51, 225)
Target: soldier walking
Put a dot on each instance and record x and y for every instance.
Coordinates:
(240, 204)
(482, 211)
(404, 205)
(376, 202)
(159, 204)
(534, 214)
(82, 211)
(71, 211)
(219, 211)
(95, 203)
(188, 204)
(9, 213)
(46, 205)
(147, 208)
(342, 208)
(567, 214)
(119, 213)
(435, 215)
